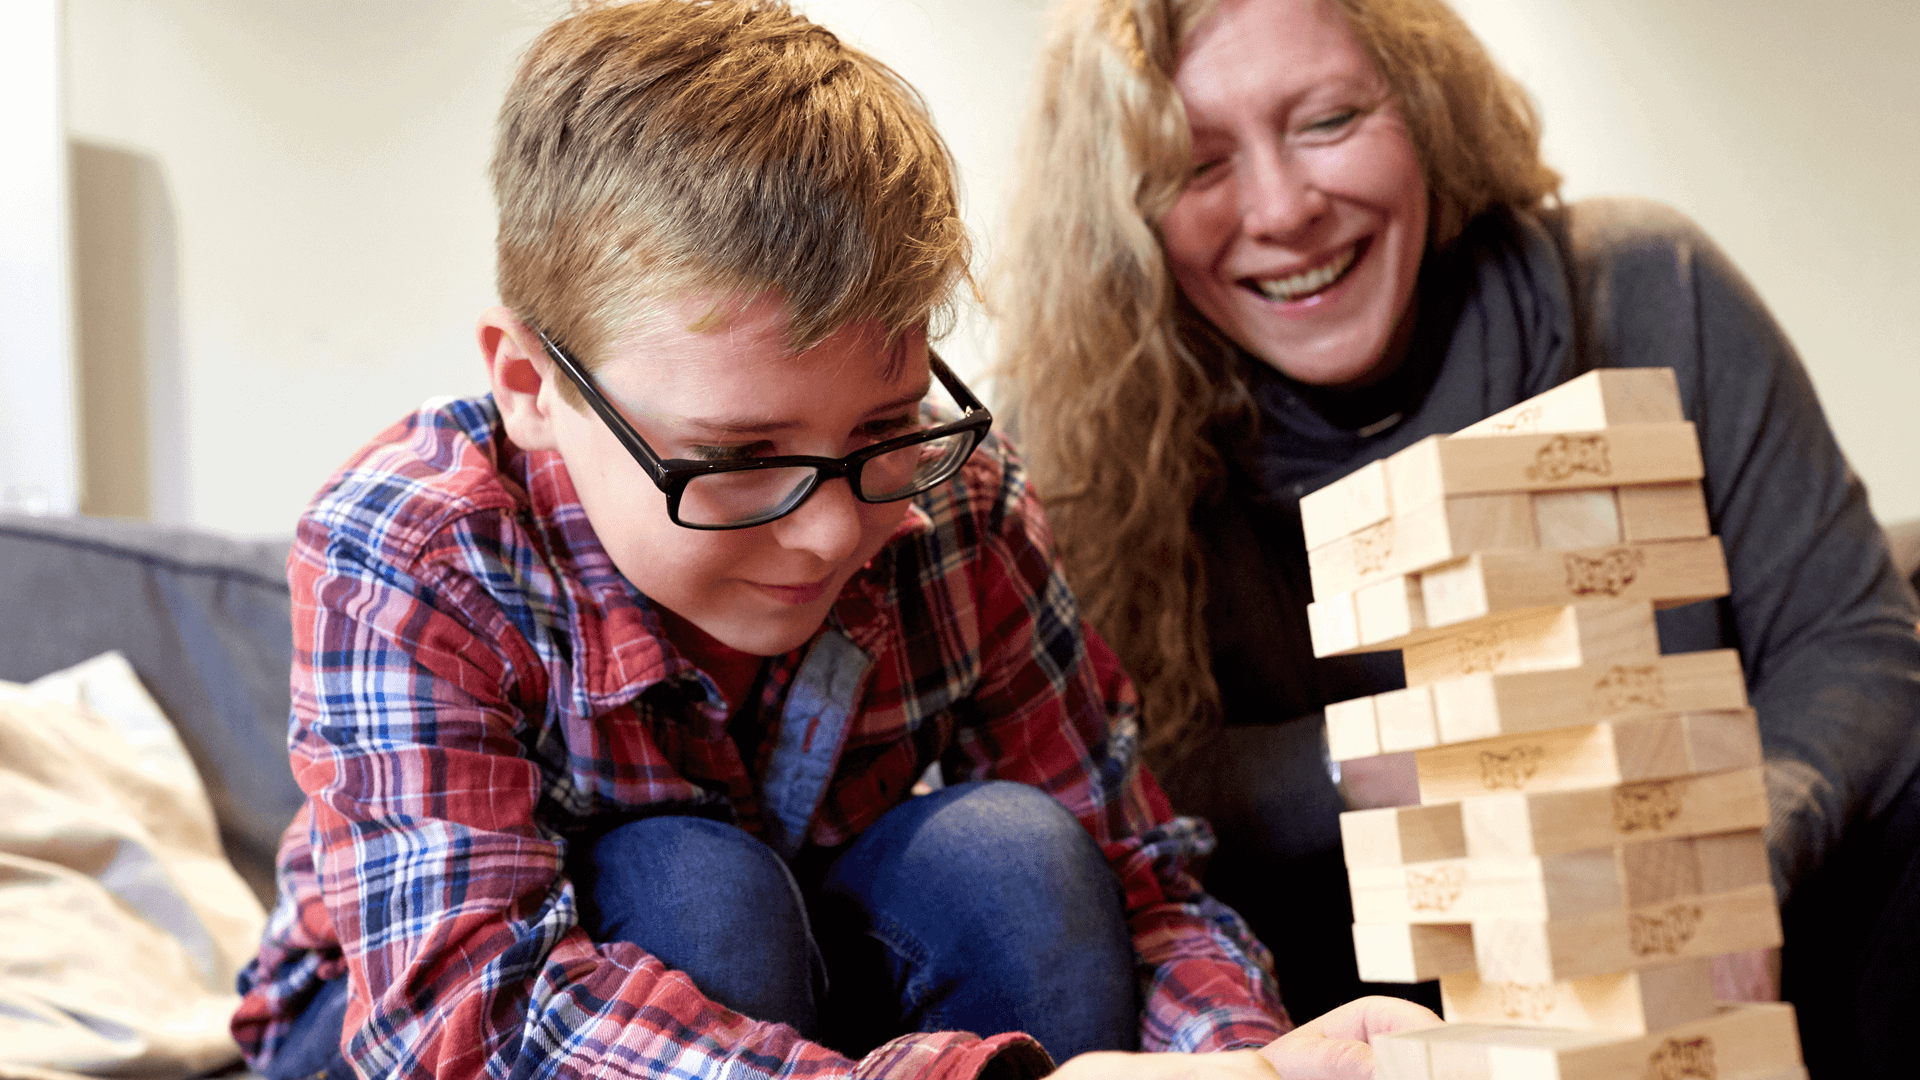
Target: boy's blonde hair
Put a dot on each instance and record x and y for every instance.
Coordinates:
(1118, 387)
(669, 148)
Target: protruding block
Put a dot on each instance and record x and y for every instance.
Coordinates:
(1681, 928)
(1630, 1002)
(1598, 399)
(1667, 572)
(1411, 952)
(1739, 1042)
(1351, 503)
(1437, 467)
(1594, 755)
(1583, 518)
(1428, 536)
(1491, 587)
(1351, 730)
(1333, 624)
(1662, 511)
(1393, 835)
(1485, 706)
(1545, 823)
(1406, 719)
(1574, 635)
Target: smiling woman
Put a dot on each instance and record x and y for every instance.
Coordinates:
(1300, 233)
(1261, 243)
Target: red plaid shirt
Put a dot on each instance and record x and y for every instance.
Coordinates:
(472, 678)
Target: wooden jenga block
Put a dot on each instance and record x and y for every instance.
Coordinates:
(1546, 823)
(1583, 518)
(1559, 887)
(1393, 835)
(1630, 1002)
(1598, 399)
(1431, 534)
(1347, 505)
(1406, 719)
(1411, 952)
(1333, 625)
(1351, 730)
(1461, 890)
(1572, 635)
(1437, 467)
(1484, 706)
(1667, 572)
(1595, 755)
(1672, 511)
(1682, 928)
(1757, 1041)
(1390, 610)
(1725, 861)
(1392, 614)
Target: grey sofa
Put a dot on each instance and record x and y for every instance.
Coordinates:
(205, 621)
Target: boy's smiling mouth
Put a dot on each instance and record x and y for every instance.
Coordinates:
(1318, 279)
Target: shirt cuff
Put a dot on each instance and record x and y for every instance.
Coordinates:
(956, 1055)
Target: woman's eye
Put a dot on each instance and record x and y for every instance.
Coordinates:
(1327, 125)
(1202, 170)
(1335, 122)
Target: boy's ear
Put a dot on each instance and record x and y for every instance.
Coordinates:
(521, 376)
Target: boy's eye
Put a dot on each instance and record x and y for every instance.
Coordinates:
(741, 452)
(892, 427)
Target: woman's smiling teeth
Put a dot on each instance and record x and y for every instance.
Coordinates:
(1307, 282)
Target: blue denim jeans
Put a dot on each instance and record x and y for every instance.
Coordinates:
(982, 907)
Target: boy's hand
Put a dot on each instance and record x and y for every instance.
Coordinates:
(1115, 1065)
(1334, 1046)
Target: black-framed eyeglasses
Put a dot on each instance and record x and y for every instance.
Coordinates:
(742, 494)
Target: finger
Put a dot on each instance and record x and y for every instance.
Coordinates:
(1314, 1058)
(1363, 1018)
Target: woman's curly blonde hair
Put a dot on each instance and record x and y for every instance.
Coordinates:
(1115, 385)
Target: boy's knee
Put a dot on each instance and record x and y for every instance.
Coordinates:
(682, 886)
(712, 901)
(989, 847)
(997, 826)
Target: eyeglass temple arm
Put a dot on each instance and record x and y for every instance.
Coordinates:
(591, 391)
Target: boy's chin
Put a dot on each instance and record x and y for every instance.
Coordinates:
(770, 636)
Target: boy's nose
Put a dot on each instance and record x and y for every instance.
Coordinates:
(826, 525)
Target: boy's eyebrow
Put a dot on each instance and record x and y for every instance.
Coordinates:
(727, 427)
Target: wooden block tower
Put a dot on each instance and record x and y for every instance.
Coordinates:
(1588, 833)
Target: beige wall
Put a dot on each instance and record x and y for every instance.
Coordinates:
(1788, 130)
(289, 234)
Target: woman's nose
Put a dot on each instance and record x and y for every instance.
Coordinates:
(1278, 198)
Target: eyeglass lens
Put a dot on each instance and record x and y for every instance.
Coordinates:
(731, 498)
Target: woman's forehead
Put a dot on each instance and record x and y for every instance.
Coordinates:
(1271, 48)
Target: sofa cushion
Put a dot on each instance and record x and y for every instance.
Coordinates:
(205, 622)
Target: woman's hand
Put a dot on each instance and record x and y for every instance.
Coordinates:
(1334, 1046)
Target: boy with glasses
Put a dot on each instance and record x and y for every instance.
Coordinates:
(612, 688)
